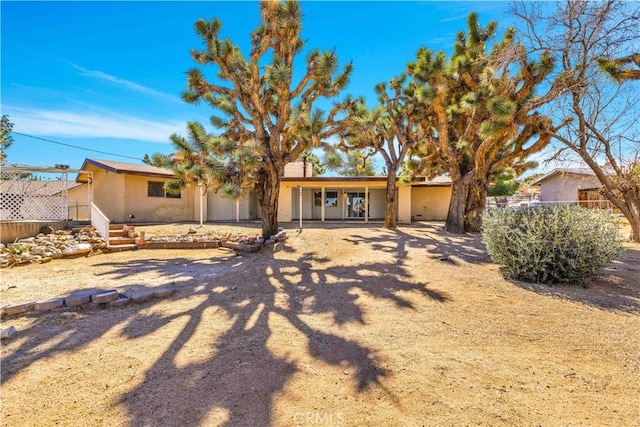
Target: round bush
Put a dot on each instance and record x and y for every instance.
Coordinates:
(551, 244)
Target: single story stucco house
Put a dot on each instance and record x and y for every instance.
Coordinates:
(122, 190)
(574, 186)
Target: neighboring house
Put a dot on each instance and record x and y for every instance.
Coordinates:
(570, 186)
(123, 189)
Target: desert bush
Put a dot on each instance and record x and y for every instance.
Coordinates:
(551, 244)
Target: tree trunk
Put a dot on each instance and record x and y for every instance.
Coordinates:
(458, 205)
(635, 228)
(476, 205)
(390, 200)
(632, 213)
(268, 193)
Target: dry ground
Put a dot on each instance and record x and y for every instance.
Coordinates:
(343, 325)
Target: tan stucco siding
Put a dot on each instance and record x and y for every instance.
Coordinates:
(284, 203)
(376, 202)
(307, 203)
(151, 209)
(78, 202)
(405, 196)
(564, 188)
(219, 208)
(430, 203)
(109, 193)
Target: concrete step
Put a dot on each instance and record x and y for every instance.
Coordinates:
(118, 233)
(115, 241)
(122, 248)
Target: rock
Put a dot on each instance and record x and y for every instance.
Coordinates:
(163, 291)
(38, 250)
(77, 249)
(19, 308)
(140, 296)
(56, 253)
(103, 297)
(46, 229)
(120, 302)
(192, 230)
(49, 304)
(7, 332)
(77, 299)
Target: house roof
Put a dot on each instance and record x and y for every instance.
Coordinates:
(44, 188)
(152, 171)
(437, 181)
(334, 178)
(564, 171)
(128, 168)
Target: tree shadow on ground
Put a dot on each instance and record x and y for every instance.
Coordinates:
(440, 245)
(617, 288)
(242, 375)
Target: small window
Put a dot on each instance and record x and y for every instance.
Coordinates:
(317, 196)
(332, 199)
(156, 189)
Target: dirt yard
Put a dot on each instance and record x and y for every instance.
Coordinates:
(342, 325)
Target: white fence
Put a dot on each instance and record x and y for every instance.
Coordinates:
(27, 207)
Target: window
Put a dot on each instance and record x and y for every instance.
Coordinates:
(332, 199)
(156, 189)
(317, 197)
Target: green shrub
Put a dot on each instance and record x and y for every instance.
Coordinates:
(551, 244)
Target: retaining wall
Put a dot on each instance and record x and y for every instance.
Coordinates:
(12, 230)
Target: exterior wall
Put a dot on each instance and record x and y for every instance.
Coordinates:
(564, 187)
(297, 170)
(109, 193)
(430, 203)
(307, 203)
(376, 203)
(284, 203)
(338, 211)
(404, 203)
(154, 209)
(289, 200)
(221, 209)
(78, 202)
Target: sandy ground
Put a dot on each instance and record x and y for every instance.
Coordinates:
(342, 325)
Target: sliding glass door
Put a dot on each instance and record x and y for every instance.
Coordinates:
(355, 205)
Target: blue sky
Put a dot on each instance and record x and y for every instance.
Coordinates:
(107, 76)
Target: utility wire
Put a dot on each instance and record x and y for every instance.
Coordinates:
(75, 146)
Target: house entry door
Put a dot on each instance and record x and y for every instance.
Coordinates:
(355, 205)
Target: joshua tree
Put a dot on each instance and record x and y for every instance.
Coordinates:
(262, 106)
(483, 113)
(390, 130)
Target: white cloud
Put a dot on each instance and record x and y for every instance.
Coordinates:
(71, 124)
(127, 84)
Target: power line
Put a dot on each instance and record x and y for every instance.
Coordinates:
(75, 146)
